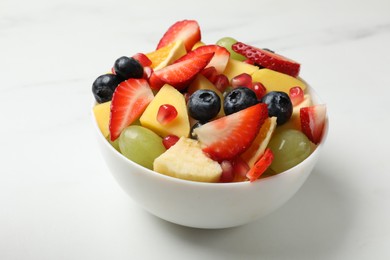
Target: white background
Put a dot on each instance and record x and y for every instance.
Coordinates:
(58, 199)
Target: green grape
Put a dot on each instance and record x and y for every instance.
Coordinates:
(227, 42)
(290, 147)
(114, 144)
(140, 145)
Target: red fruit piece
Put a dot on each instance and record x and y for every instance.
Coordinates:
(129, 101)
(261, 165)
(219, 61)
(268, 59)
(221, 82)
(313, 121)
(227, 172)
(296, 95)
(187, 30)
(240, 168)
(169, 141)
(180, 74)
(210, 73)
(259, 89)
(142, 59)
(228, 136)
(242, 80)
(166, 113)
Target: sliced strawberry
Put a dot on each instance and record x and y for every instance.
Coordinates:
(268, 59)
(129, 101)
(219, 61)
(142, 59)
(313, 122)
(180, 74)
(187, 30)
(261, 165)
(228, 136)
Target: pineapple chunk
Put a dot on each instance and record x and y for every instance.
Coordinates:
(235, 67)
(276, 81)
(180, 126)
(186, 160)
(102, 115)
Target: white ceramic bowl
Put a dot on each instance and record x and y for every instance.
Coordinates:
(206, 205)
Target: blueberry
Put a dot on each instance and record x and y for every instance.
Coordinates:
(104, 86)
(279, 105)
(128, 67)
(239, 99)
(204, 105)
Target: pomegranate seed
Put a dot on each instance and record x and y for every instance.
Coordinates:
(142, 59)
(221, 82)
(296, 95)
(170, 140)
(259, 89)
(242, 80)
(210, 73)
(166, 113)
(227, 172)
(147, 72)
(240, 169)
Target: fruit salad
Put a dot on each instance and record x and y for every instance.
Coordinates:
(220, 112)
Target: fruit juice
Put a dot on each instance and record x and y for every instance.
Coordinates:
(223, 112)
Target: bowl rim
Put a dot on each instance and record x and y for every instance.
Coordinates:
(215, 184)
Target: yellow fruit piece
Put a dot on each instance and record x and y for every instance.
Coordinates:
(166, 55)
(276, 81)
(102, 116)
(186, 160)
(198, 44)
(235, 67)
(180, 126)
(201, 82)
(258, 146)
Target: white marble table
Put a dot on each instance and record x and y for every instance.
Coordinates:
(57, 198)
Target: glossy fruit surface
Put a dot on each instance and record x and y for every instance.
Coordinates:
(204, 105)
(180, 74)
(128, 67)
(166, 114)
(170, 140)
(239, 99)
(268, 59)
(279, 105)
(104, 86)
(187, 31)
(313, 121)
(227, 42)
(140, 145)
(129, 101)
(290, 147)
(219, 60)
(228, 136)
